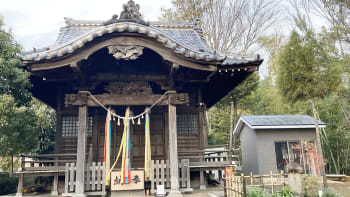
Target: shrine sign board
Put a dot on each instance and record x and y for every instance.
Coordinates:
(137, 181)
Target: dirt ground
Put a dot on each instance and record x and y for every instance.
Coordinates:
(341, 187)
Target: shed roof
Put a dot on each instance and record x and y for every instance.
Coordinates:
(276, 122)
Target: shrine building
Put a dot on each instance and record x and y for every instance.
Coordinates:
(163, 74)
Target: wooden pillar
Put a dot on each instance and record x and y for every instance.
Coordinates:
(81, 147)
(20, 185)
(58, 135)
(54, 191)
(95, 136)
(174, 163)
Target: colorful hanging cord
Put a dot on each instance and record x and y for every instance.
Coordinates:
(126, 165)
(122, 148)
(107, 143)
(148, 173)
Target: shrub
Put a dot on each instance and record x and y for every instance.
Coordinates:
(330, 193)
(284, 193)
(257, 193)
(311, 186)
(8, 184)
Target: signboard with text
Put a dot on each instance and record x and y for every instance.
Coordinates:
(136, 183)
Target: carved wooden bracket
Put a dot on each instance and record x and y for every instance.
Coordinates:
(125, 52)
(179, 99)
(77, 99)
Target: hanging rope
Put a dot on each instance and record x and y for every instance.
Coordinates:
(148, 172)
(132, 117)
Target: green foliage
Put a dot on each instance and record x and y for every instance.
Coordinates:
(13, 80)
(266, 100)
(6, 165)
(45, 126)
(284, 193)
(17, 127)
(306, 69)
(7, 184)
(330, 193)
(220, 114)
(246, 88)
(185, 10)
(311, 186)
(26, 125)
(257, 192)
(220, 125)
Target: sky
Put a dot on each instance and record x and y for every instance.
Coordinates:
(36, 23)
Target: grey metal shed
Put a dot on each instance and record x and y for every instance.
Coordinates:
(270, 142)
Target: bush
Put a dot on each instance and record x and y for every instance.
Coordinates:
(284, 193)
(311, 186)
(330, 193)
(8, 184)
(257, 193)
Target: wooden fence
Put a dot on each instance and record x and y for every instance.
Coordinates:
(161, 175)
(238, 185)
(94, 179)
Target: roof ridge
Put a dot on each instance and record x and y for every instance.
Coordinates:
(160, 24)
(82, 22)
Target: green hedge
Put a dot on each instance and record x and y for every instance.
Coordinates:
(8, 184)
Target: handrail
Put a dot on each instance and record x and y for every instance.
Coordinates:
(208, 151)
(48, 155)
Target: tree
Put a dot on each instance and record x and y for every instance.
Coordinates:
(230, 26)
(20, 119)
(336, 12)
(186, 10)
(17, 128)
(45, 126)
(235, 97)
(307, 71)
(14, 81)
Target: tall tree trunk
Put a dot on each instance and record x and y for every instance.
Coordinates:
(231, 127)
(318, 144)
(346, 116)
(235, 119)
(11, 174)
(235, 109)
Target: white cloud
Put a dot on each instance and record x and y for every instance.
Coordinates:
(36, 23)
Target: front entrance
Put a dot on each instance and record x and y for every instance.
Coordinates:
(137, 132)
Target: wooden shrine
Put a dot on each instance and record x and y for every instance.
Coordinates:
(126, 61)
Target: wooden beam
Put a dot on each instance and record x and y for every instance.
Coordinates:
(81, 146)
(174, 166)
(116, 99)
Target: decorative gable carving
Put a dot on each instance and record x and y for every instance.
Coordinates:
(125, 52)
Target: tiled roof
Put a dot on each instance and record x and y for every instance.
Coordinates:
(184, 38)
(280, 120)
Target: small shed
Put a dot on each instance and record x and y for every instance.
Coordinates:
(270, 142)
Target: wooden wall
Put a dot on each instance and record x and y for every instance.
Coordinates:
(159, 136)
